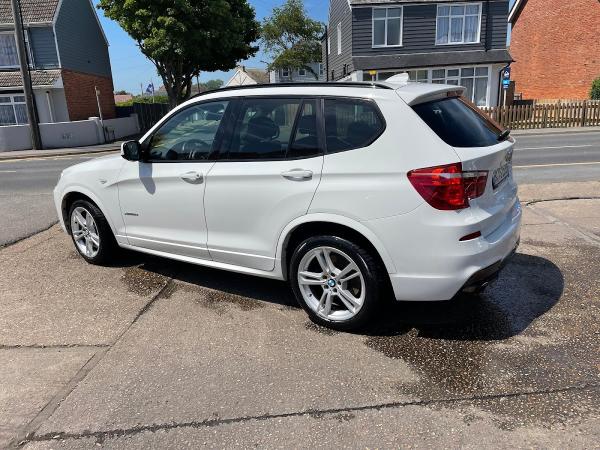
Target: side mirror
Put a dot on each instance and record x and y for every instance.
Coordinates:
(131, 150)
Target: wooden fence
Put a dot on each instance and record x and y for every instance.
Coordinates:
(570, 114)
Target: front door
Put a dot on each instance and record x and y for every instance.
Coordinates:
(162, 198)
(265, 178)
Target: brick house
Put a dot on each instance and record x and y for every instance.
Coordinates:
(68, 58)
(556, 47)
(460, 42)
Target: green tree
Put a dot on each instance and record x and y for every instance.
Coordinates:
(184, 37)
(121, 92)
(211, 85)
(595, 91)
(291, 38)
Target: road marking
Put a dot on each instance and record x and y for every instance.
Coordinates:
(558, 164)
(7, 171)
(53, 157)
(554, 148)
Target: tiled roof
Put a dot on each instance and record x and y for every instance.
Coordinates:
(38, 78)
(31, 10)
(261, 76)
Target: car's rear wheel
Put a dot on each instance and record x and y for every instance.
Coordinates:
(337, 282)
(91, 233)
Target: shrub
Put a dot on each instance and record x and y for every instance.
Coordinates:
(595, 91)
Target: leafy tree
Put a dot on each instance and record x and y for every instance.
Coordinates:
(184, 37)
(292, 38)
(121, 92)
(212, 85)
(595, 91)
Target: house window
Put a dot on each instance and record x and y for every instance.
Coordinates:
(420, 76)
(387, 27)
(301, 72)
(285, 73)
(339, 38)
(458, 24)
(321, 69)
(13, 110)
(474, 79)
(8, 50)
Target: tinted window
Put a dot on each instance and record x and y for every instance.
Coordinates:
(306, 140)
(189, 134)
(263, 128)
(351, 123)
(458, 123)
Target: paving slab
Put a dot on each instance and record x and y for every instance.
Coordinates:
(29, 379)
(547, 191)
(51, 296)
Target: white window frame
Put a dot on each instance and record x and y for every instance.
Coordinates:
(284, 72)
(13, 103)
(321, 69)
(339, 38)
(15, 36)
(430, 70)
(462, 42)
(373, 19)
(302, 72)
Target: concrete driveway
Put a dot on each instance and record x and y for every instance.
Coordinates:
(157, 354)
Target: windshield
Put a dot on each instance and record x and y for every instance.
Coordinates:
(459, 123)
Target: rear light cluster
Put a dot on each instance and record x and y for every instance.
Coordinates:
(448, 187)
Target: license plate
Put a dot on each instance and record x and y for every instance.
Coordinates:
(500, 175)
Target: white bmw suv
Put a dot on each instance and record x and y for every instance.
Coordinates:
(350, 191)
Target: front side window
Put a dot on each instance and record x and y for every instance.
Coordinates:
(263, 128)
(8, 50)
(351, 123)
(188, 135)
(387, 27)
(459, 123)
(458, 24)
(13, 110)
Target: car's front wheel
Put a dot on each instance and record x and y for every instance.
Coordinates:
(91, 233)
(337, 282)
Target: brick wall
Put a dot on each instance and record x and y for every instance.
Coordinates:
(81, 97)
(556, 46)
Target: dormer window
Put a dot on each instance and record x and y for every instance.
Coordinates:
(458, 24)
(387, 27)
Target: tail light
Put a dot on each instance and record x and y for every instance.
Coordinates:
(448, 187)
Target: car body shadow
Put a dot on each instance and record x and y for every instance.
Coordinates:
(527, 288)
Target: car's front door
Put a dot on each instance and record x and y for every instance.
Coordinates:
(266, 177)
(162, 197)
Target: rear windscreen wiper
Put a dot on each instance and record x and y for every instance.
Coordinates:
(504, 135)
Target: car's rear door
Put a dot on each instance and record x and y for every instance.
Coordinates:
(266, 177)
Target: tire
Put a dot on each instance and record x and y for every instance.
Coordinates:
(95, 234)
(312, 288)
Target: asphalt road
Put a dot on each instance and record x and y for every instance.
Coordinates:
(26, 185)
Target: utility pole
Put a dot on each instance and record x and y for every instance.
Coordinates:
(36, 140)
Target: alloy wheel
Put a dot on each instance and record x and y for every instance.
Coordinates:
(331, 283)
(85, 232)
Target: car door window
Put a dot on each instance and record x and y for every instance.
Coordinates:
(351, 123)
(306, 139)
(263, 128)
(188, 135)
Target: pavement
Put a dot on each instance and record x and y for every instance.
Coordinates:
(33, 154)
(152, 353)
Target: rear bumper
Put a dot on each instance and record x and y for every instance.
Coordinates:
(431, 262)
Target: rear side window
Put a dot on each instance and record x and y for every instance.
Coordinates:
(458, 123)
(351, 123)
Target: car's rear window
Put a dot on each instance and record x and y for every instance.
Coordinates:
(458, 123)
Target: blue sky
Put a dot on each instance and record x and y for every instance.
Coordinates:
(130, 67)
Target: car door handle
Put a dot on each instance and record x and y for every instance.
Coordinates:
(297, 174)
(192, 177)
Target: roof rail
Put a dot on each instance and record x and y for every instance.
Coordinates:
(360, 84)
